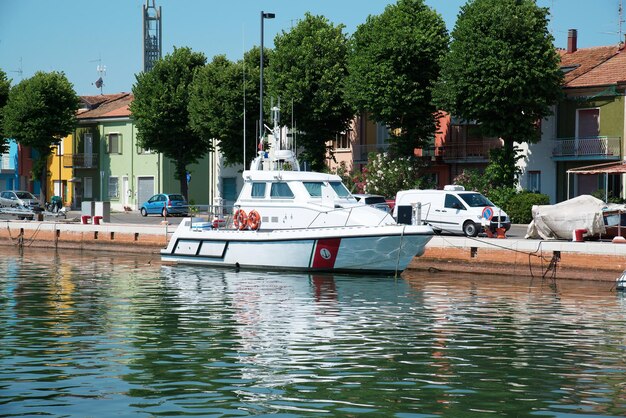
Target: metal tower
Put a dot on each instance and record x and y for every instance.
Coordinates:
(151, 35)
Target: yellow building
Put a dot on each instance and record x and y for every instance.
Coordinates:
(59, 175)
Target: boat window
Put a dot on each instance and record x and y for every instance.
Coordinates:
(476, 200)
(314, 188)
(340, 189)
(258, 190)
(280, 190)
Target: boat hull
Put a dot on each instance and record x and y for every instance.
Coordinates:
(385, 249)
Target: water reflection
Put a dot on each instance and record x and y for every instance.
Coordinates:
(128, 336)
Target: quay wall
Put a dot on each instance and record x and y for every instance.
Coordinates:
(588, 260)
(128, 238)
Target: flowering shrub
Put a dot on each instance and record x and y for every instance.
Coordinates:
(386, 175)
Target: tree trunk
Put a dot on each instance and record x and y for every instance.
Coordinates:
(43, 180)
(184, 186)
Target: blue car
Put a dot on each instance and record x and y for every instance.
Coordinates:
(165, 204)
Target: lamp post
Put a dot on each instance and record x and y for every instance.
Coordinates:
(263, 17)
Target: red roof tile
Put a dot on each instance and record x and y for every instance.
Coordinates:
(595, 66)
(105, 106)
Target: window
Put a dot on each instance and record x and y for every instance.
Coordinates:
(534, 181)
(88, 188)
(474, 200)
(115, 143)
(340, 189)
(113, 188)
(314, 188)
(342, 141)
(588, 123)
(453, 203)
(258, 190)
(281, 190)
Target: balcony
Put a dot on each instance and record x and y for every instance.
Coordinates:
(80, 160)
(474, 151)
(588, 148)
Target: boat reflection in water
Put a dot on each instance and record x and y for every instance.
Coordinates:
(130, 337)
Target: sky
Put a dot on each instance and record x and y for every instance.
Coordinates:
(78, 36)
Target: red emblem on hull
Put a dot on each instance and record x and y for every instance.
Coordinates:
(325, 253)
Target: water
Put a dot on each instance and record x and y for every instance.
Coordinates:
(84, 335)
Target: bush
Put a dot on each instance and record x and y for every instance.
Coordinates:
(519, 206)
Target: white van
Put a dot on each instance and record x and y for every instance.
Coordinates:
(451, 210)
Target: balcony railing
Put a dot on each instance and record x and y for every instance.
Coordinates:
(469, 151)
(80, 160)
(602, 147)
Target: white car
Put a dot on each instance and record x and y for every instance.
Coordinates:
(19, 199)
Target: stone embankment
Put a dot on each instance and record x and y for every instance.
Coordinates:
(129, 238)
(588, 260)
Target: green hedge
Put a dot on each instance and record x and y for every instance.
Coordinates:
(519, 206)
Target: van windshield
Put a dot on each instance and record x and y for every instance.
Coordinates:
(475, 200)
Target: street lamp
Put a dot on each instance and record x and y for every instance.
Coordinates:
(263, 17)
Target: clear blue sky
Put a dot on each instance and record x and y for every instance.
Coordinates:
(75, 36)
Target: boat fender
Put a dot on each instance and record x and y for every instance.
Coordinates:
(240, 219)
(254, 220)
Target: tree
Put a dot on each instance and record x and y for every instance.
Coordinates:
(39, 113)
(160, 111)
(216, 104)
(307, 72)
(394, 62)
(5, 86)
(502, 71)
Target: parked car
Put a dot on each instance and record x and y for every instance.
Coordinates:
(379, 202)
(165, 204)
(19, 199)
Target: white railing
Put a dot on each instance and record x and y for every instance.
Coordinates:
(589, 146)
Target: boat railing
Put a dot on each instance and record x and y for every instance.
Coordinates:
(211, 216)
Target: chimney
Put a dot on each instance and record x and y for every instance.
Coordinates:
(572, 38)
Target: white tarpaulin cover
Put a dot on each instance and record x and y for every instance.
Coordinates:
(560, 220)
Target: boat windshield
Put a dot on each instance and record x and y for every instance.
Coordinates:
(475, 200)
(340, 189)
(314, 188)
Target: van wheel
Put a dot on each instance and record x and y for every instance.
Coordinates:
(470, 229)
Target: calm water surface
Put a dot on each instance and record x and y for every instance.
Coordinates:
(84, 335)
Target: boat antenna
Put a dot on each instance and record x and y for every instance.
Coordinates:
(244, 95)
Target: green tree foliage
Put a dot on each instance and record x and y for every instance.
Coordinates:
(161, 114)
(5, 86)
(393, 63)
(502, 70)
(216, 104)
(39, 113)
(307, 72)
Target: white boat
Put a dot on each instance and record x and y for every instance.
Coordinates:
(289, 219)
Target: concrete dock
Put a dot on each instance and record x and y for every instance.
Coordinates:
(515, 256)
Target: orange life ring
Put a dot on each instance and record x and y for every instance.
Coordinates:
(240, 220)
(254, 220)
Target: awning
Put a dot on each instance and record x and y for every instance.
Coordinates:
(618, 167)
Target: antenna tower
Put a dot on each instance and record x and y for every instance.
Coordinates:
(19, 70)
(152, 40)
